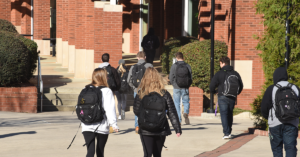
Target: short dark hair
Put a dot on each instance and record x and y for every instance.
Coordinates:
(179, 55)
(225, 60)
(141, 54)
(105, 57)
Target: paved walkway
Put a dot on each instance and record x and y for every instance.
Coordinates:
(49, 134)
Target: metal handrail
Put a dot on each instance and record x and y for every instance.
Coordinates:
(40, 82)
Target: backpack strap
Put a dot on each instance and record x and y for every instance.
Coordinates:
(278, 86)
(75, 136)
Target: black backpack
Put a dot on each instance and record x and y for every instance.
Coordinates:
(183, 76)
(138, 72)
(149, 45)
(89, 106)
(152, 115)
(287, 103)
(231, 84)
(124, 84)
(110, 78)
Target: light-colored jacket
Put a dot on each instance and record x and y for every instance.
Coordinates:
(110, 118)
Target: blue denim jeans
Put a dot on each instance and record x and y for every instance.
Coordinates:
(284, 134)
(135, 117)
(177, 95)
(226, 106)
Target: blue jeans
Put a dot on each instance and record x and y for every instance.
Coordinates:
(284, 134)
(136, 124)
(177, 95)
(226, 106)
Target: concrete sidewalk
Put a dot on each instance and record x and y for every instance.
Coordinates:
(49, 134)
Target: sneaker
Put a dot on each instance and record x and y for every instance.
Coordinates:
(226, 137)
(122, 114)
(186, 119)
(120, 117)
(137, 130)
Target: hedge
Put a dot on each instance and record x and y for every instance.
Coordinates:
(7, 26)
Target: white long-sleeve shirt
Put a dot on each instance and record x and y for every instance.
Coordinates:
(110, 118)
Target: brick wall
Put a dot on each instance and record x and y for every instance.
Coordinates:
(5, 9)
(98, 35)
(65, 19)
(16, 12)
(80, 24)
(26, 17)
(196, 101)
(71, 21)
(18, 99)
(59, 18)
(41, 19)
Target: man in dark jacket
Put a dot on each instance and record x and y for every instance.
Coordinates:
(280, 132)
(116, 78)
(150, 43)
(226, 103)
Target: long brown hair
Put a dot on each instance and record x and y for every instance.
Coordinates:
(121, 69)
(99, 77)
(152, 81)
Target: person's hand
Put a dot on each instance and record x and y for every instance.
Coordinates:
(178, 134)
(116, 130)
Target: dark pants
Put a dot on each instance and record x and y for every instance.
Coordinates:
(284, 134)
(152, 145)
(150, 54)
(226, 106)
(89, 138)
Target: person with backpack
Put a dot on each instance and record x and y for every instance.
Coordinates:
(150, 43)
(97, 112)
(181, 78)
(152, 105)
(230, 85)
(280, 106)
(113, 78)
(135, 76)
(122, 93)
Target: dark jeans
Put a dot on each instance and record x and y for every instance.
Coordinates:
(284, 134)
(150, 54)
(89, 138)
(152, 145)
(226, 106)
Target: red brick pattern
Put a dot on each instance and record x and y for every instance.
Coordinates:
(5, 9)
(41, 19)
(18, 99)
(71, 21)
(59, 18)
(196, 101)
(65, 18)
(26, 17)
(80, 28)
(98, 35)
(16, 12)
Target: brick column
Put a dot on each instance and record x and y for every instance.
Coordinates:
(196, 101)
(26, 18)
(65, 35)
(5, 10)
(16, 14)
(42, 25)
(59, 30)
(112, 29)
(71, 35)
(135, 27)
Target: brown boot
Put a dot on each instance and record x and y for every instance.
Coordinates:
(137, 130)
(186, 119)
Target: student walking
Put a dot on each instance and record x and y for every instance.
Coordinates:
(122, 93)
(113, 78)
(150, 43)
(181, 78)
(135, 76)
(100, 130)
(279, 106)
(152, 104)
(229, 85)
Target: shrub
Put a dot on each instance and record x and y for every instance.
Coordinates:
(7, 26)
(14, 60)
(197, 54)
(171, 46)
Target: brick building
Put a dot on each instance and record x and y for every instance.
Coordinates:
(85, 29)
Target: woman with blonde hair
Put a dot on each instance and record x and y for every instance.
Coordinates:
(151, 105)
(100, 130)
(121, 94)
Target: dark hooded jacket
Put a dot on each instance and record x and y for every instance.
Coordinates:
(171, 112)
(280, 74)
(219, 79)
(151, 35)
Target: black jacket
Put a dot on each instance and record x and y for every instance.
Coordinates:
(280, 74)
(117, 79)
(172, 114)
(219, 79)
(151, 33)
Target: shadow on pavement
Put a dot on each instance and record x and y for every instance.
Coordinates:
(122, 132)
(18, 133)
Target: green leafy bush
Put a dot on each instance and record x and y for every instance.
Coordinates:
(172, 46)
(7, 26)
(197, 54)
(14, 60)
(272, 45)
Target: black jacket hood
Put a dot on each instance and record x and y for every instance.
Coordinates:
(280, 74)
(151, 32)
(227, 67)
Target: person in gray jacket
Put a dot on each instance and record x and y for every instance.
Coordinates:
(178, 92)
(141, 56)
